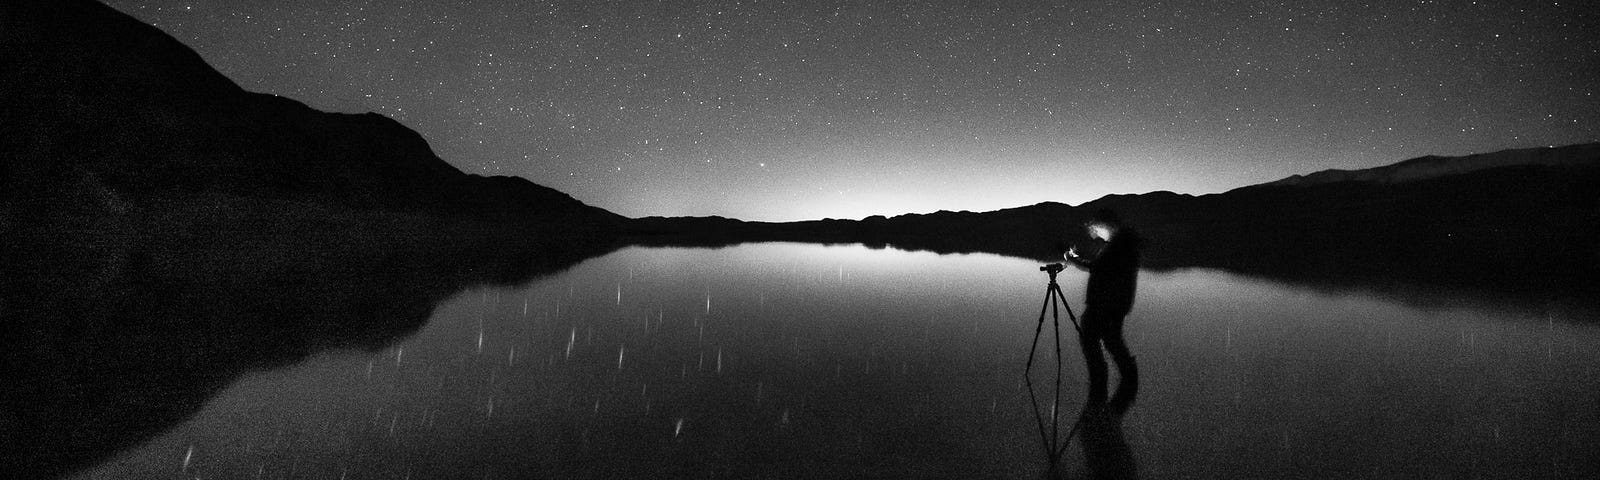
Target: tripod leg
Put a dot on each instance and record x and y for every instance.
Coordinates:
(1055, 411)
(1062, 297)
(1027, 375)
(1038, 327)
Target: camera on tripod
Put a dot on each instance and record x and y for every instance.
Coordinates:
(1053, 268)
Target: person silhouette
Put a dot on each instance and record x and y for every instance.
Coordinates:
(1113, 279)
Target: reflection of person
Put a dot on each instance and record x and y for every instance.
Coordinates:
(1113, 278)
(1106, 454)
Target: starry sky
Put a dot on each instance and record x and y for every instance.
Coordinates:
(775, 110)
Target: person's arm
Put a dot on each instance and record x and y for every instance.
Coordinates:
(1076, 260)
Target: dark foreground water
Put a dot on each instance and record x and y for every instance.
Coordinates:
(805, 361)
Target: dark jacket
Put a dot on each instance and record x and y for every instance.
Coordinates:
(1114, 274)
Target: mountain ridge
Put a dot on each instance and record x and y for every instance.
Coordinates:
(1581, 155)
(1528, 229)
(1433, 166)
(1417, 168)
(123, 106)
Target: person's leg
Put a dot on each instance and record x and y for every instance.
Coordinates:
(1127, 369)
(1089, 339)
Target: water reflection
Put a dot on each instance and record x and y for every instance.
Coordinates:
(810, 361)
(111, 345)
(1106, 452)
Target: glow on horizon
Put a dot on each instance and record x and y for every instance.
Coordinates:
(955, 181)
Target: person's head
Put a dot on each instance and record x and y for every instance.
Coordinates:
(1103, 225)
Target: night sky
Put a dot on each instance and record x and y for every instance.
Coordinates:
(767, 110)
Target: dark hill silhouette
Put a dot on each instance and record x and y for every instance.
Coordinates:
(1434, 166)
(101, 107)
(1524, 223)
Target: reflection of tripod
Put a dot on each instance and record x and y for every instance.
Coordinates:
(1053, 301)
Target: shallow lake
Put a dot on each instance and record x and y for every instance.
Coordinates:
(810, 361)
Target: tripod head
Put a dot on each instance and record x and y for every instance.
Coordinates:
(1052, 269)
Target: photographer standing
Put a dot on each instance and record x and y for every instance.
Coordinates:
(1113, 278)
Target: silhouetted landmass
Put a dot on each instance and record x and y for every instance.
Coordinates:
(103, 112)
(165, 231)
(1434, 166)
(1524, 223)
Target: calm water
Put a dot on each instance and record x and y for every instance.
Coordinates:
(788, 360)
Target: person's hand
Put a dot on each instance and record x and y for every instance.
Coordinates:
(1072, 252)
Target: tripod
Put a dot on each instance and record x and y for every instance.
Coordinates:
(1053, 301)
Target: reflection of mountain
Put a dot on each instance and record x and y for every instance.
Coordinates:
(107, 345)
(165, 232)
(1524, 222)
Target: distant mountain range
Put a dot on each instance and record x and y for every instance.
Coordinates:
(1433, 166)
(1520, 221)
